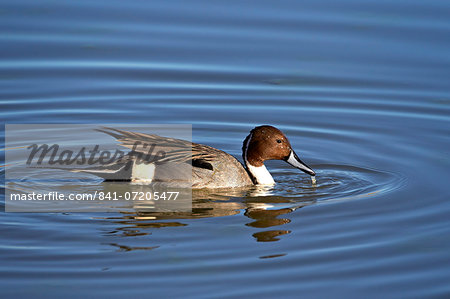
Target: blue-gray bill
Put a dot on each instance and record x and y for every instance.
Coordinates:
(295, 161)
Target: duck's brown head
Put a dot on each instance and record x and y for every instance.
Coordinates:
(268, 143)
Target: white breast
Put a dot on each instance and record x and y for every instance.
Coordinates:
(261, 174)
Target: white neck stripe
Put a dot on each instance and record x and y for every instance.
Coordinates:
(246, 148)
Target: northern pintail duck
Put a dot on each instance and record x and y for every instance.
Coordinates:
(211, 167)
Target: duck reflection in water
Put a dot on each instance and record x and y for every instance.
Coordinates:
(259, 204)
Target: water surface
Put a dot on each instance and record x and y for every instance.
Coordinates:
(360, 89)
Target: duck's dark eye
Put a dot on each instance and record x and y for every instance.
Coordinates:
(279, 140)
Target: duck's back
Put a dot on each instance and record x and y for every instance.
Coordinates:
(211, 168)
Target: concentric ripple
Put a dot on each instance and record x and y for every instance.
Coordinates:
(344, 182)
(333, 183)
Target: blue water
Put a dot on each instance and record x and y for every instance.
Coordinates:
(359, 87)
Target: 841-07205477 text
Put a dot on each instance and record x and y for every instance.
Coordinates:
(139, 195)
